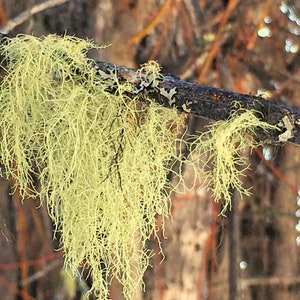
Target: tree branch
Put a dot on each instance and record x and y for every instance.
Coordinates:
(209, 102)
(213, 103)
(25, 15)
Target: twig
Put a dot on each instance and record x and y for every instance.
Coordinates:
(164, 9)
(25, 15)
(215, 46)
(3, 18)
(42, 273)
(247, 282)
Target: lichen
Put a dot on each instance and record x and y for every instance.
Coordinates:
(101, 160)
(223, 145)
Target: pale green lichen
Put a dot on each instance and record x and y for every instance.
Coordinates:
(100, 161)
(224, 145)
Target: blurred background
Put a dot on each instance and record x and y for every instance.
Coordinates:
(246, 46)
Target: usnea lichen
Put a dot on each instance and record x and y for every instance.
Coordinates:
(100, 161)
(224, 145)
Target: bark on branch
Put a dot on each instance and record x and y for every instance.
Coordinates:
(209, 102)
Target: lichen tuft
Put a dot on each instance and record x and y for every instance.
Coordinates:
(224, 145)
(101, 160)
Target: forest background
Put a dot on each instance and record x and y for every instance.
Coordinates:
(244, 46)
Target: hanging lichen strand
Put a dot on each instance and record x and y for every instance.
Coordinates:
(224, 144)
(100, 160)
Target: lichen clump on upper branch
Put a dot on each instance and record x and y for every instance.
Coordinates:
(100, 159)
